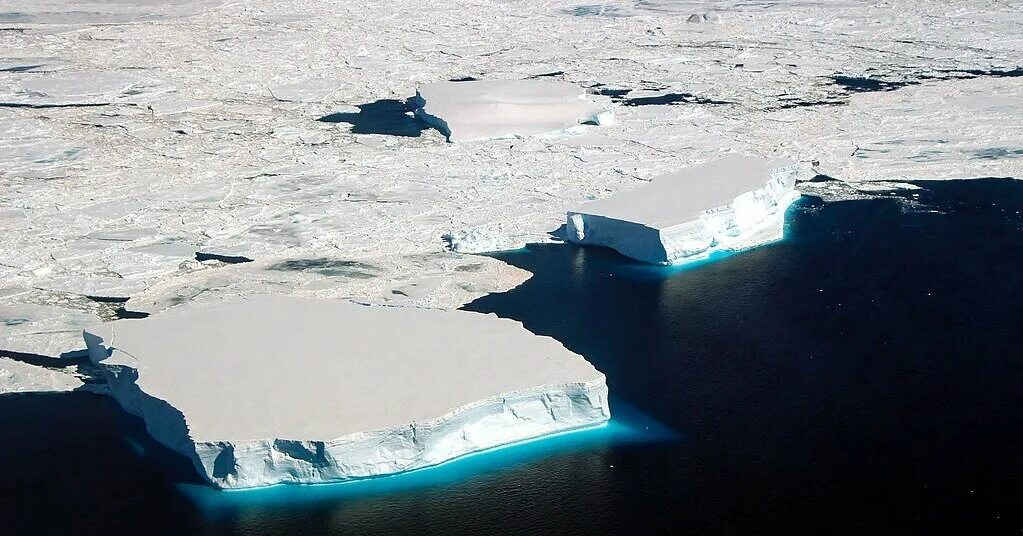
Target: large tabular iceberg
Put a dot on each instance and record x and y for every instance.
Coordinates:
(482, 109)
(731, 204)
(274, 389)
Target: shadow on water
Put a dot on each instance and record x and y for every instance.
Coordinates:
(667, 98)
(627, 427)
(861, 376)
(862, 84)
(391, 117)
(80, 454)
(74, 463)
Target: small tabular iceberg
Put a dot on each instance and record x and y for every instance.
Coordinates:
(275, 389)
(483, 109)
(731, 204)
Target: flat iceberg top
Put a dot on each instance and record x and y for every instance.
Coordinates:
(484, 109)
(281, 367)
(683, 196)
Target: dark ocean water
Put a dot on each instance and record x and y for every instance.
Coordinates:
(863, 376)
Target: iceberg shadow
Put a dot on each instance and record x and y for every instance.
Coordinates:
(391, 117)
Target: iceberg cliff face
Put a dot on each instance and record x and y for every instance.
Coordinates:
(353, 392)
(731, 204)
(484, 109)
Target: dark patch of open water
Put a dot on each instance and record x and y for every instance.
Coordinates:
(863, 376)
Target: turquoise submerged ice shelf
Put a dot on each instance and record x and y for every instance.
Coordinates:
(629, 426)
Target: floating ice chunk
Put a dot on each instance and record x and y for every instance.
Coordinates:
(481, 240)
(278, 389)
(483, 109)
(731, 204)
(18, 377)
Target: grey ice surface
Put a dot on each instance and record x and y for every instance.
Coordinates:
(136, 134)
(379, 389)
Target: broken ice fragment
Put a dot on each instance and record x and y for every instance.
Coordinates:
(19, 377)
(480, 240)
(482, 109)
(734, 203)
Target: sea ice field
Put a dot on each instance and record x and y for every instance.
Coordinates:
(809, 324)
(148, 148)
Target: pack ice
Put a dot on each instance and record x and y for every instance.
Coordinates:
(290, 390)
(734, 203)
(483, 109)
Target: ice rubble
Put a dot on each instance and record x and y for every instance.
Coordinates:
(481, 240)
(734, 203)
(18, 377)
(482, 109)
(287, 390)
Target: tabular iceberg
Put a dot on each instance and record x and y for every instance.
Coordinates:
(285, 390)
(731, 204)
(483, 109)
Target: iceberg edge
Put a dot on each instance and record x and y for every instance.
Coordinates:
(493, 422)
(752, 218)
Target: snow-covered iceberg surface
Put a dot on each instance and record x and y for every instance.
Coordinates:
(731, 204)
(276, 389)
(482, 109)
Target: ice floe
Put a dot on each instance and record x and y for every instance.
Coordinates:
(78, 88)
(272, 390)
(18, 377)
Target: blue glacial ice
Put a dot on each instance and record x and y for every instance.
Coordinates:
(731, 204)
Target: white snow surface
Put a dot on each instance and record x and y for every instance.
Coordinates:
(18, 377)
(730, 204)
(99, 11)
(274, 389)
(191, 126)
(482, 109)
